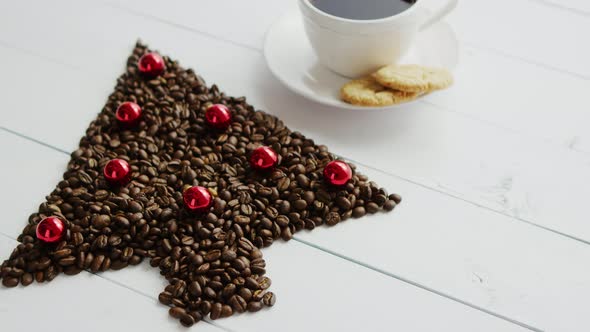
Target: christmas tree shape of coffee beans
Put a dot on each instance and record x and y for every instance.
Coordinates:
(211, 258)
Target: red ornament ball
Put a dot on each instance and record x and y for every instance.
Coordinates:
(128, 113)
(218, 116)
(263, 158)
(197, 199)
(151, 64)
(50, 229)
(337, 173)
(117, 172)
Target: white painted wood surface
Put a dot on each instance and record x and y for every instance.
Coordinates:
(493, 232)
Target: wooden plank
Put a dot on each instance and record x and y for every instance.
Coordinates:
(518, 28)
(84, 302)
(436, 241)
(473, 254)
(249, 19)
(533, 91)
(520, 97)
(526, 84)
(311, 288)
(497, 168)
(308, 281)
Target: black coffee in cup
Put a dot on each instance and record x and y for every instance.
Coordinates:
(362, 9)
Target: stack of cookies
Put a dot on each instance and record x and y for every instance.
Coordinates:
(395, 84)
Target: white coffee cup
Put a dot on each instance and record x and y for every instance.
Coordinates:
(355, 48)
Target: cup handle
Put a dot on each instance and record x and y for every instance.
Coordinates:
(439, 13)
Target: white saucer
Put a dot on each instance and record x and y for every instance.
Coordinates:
(291, 59)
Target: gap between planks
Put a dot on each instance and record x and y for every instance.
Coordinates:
(562, 7)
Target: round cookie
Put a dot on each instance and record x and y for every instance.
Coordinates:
(413, 78)
(367, 92)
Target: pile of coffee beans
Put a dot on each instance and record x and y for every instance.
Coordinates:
(212, 259)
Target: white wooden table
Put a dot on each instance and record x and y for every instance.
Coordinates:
(494, 230)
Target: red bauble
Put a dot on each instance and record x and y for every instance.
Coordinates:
(117, 172)
(197, 199)
(263, 158)
(50, 229)
(218, 116)
(128, 113)
(337, 173)
(151, 64)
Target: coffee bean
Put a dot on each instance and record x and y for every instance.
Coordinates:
(254, 306)
(67, 261)
(212, 255)
(300, 204)
(332, 218)
(380, 199)
(269, 299)
(135, 207)
(97, 263)
(216, 311)
(228, 290)
(106, 264)
(238, 303)
(302, 180)
(15, 272)
(228, 255)
(226, 311)
(242, 220)
(177, 312)
(205, 307)
(88, 260)
(165, 298)
(187, 240)
(43, 263)
(127, 253)
(389, 205)
(194, 289)
(257, 295)
(118, 265)
(209, 292)
(308, 197)
(366, 192)
(286, 234)
(77, 238)
(372, 207)
(264, 191)
(358, 212)
(251, 283)
(396, 198)
(134, 260)
(101, 195)
(114, 240)
(121, 221)
(197, 316)
(187, 320)
(283, 184)
(343, 202)
(101, 242)
(101, 221)
(26, 279)
(9, 282)
(62, 253)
